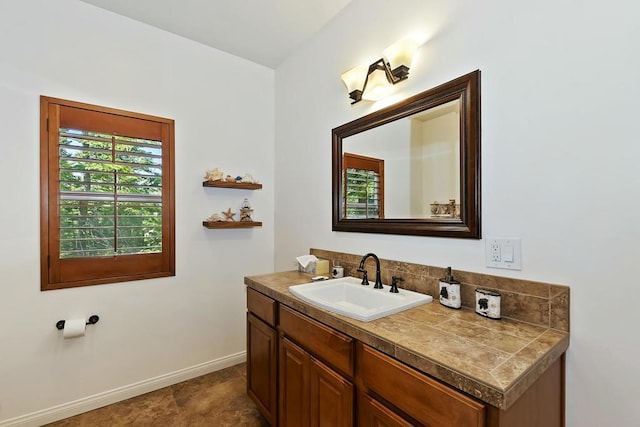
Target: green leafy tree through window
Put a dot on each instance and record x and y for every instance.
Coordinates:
(110, 194)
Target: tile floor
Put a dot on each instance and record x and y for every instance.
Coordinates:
(216, 399)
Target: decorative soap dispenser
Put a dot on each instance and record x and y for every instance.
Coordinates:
(450, 291)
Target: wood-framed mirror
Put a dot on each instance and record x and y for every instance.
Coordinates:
(412, 168)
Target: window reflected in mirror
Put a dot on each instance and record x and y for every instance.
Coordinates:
(363, 190)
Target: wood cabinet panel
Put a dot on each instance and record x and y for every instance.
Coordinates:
(262, 306)
(331, 346)
(262, 344)
(331, 403)
(427, 400)
(294, 385)
(541, 405)
(372, 413)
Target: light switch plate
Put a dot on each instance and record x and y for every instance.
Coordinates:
(503, 253)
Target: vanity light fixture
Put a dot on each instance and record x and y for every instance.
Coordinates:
(374, 82)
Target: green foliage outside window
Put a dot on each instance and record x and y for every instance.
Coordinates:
(110, 195)
(362, 192)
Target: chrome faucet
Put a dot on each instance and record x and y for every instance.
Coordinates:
(365, 280)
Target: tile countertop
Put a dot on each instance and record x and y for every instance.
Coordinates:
(494, 360)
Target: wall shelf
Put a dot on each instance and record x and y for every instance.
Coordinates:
(231, 224)
(238, 185)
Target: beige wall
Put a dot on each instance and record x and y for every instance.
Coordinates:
(440, 153)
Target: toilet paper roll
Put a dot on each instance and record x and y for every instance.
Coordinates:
(74, 328)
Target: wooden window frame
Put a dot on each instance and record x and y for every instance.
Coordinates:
(356, 161)
(57, 273)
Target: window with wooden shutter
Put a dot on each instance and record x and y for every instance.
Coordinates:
(363, 192)
(107, 205)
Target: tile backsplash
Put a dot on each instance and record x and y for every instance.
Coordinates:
(538, 303)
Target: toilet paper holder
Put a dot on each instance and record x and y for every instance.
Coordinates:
(92, 321)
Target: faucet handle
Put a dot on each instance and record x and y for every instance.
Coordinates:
(365, 279)
(394, 283)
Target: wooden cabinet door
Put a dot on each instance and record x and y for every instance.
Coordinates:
(261, 366)
(294, 385)
(372, 413)
(331, 397)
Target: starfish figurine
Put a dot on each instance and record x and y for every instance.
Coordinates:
(229, 215)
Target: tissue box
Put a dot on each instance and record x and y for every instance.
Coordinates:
(309, 268)
(307, 263)
(313, 265)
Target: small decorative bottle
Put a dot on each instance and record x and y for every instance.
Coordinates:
(450, 291)
(245, 211)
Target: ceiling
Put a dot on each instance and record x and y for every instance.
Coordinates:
(262, 31)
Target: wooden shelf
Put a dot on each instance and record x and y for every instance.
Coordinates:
(231, 224)
(238, 185)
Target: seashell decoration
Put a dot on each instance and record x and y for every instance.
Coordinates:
(216, 174)
(249, 179)
(213, 175)
(215, 218)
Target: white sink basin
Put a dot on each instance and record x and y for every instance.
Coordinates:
(348, 297)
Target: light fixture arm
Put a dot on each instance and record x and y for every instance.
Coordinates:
(356, 96)
(393, 76)
(361, 78)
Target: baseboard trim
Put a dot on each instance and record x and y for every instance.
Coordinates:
(99, 400)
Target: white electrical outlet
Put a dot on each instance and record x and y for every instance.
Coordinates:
(494, 251)
(503, 253)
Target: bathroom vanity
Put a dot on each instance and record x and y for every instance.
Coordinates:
(428, 365)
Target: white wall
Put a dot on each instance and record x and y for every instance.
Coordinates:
(559, 159)
(223, 108)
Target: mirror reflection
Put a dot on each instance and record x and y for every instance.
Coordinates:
(413, 167)
(407, 169)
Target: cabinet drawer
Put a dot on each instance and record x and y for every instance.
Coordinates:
(262, 306)
(327, 344)
(426, 400)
